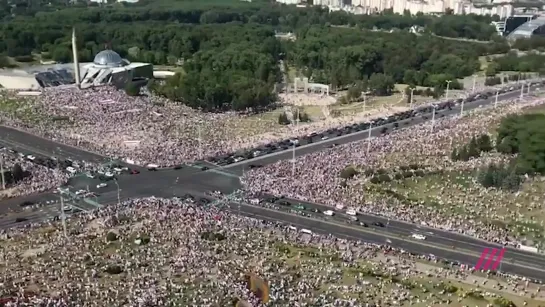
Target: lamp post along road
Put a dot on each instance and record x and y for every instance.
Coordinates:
(63, 216)
(462, 108)
(448, 86)
(369, 138)
(433, 119)
(411, 102)
(2, 171)
(521, 91)
(293, 148)
(118, 194)
(496, 100)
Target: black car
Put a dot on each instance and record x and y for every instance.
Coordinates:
(379, 224)
(178, 167)
(252, 166)
(21, 219)
(204, 168)
(26, 204)
(364, 224)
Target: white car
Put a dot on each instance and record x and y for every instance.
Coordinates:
(31, 157)
(418, 236)
(80, 192)
(71, 170)
(306, 231)
(329, 213)
(109, 174)
(89, 175)
(101, 185)
(351, 212)
(339, 207)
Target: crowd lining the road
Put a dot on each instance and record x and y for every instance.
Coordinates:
(317, 179)
(182, 265)
(149, 129)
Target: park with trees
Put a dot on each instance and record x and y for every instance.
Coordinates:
(227, 53)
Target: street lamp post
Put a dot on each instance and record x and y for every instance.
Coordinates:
(369, 138)
(448, 86)
(293, 148)
(433, 119)
(496, 100)
(2, 171)
(118, 194)
(411, 102)
(522, 91)
(63, 216)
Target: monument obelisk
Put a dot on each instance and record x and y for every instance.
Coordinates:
(75, 55)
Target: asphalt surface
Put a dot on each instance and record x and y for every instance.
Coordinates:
(532, 267)
(192, 180)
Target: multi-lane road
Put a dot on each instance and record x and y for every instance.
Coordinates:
(192, 180)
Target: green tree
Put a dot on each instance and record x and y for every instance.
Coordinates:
(131, 89)
(17, 172)
(454, 155)
(381, 84)
(473, 149)
(484, 143)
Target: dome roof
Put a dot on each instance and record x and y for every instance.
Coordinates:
(108, 58)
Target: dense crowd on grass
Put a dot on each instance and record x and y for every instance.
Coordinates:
(145, 129)
(466, 207)
(171, 252)
(23, 177)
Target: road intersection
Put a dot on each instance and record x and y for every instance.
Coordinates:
(193, 180)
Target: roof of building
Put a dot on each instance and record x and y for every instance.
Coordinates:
(527, 28)
(109, 58)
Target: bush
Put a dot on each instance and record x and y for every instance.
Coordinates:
(384, 178)
(24, 58)
(131, 89)
(212, 236)
(503, 302)
(111, 236)
(283, 119)
(114, 269)
(375, 180)
(348, 172)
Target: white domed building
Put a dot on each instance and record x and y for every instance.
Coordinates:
(108, 67)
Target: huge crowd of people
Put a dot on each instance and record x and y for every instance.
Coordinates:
(149, 129)
(172, 252)
(468, 209)
(35, 178)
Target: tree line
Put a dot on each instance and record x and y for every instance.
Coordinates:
(229, 52)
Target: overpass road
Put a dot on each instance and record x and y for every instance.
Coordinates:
(192, 180)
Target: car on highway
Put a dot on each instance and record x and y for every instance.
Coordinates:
(178, 167)
(299, 207)
(90, 175)
(20, 219)
(102, 185)
(351, 212)
(80, 192)
(363, 224)
(329, 213)
(31, 157)
(71, 170)
(418, 236)
(379, 224)
(26, 204)
(134, 172)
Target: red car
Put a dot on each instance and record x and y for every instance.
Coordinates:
(135, 171)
